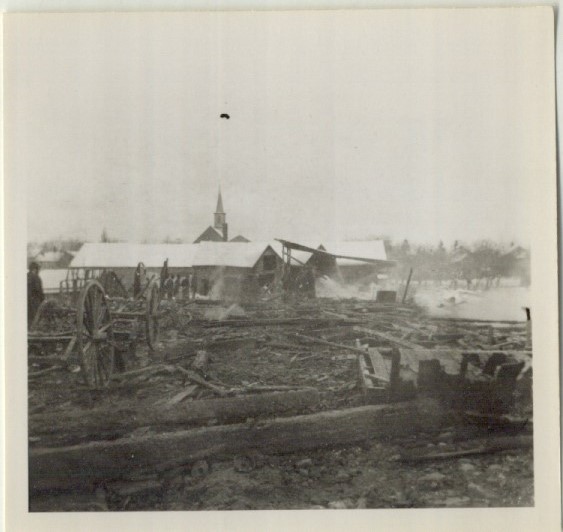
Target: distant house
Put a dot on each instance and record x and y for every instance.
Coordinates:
(235, 270)
(516, 263)
(52, 260)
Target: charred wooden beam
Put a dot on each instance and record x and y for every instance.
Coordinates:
(81, 425)
(83, 465)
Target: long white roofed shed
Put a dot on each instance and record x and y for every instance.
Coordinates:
(127, 255)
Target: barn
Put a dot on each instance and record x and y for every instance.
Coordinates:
(235, 271)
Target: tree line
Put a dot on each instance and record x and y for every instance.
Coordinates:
(483, 261)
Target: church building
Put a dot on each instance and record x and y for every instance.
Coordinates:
(219, 231)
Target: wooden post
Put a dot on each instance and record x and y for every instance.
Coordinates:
(407, 287)
(528, 328)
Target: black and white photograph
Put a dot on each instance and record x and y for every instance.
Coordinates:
(283, 260)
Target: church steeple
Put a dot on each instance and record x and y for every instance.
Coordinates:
(219, 209)
(220, 218)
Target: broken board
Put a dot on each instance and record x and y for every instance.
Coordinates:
(374, 375)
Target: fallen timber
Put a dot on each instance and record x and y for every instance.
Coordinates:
(277, 321)
(108, 422)
(477, 321)
(84, 465)
(482, 446)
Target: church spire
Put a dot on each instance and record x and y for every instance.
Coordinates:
(219, 209)
(219, 217)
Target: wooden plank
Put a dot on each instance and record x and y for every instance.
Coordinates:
(381, 369)
(486, 446)
(181, 396)
(44, 371)
(374, 384)
(83, 465)
(50, 338)
(363, 372)
(388, 337)
(69, 348)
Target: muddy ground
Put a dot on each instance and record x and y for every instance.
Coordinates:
(255, 348)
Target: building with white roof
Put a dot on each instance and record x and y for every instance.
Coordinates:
(235, 270)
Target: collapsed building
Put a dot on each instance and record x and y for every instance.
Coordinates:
(361, 263)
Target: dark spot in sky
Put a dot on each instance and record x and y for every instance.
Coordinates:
(225, 115)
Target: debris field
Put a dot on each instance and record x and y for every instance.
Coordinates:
(321, 403)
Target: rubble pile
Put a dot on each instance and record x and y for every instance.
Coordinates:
(315, 403)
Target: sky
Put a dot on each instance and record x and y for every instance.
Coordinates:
(418, 124)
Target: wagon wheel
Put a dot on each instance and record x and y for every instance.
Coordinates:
(94, 336)
(151, 318)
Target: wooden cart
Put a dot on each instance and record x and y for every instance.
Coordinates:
(89, 334)
(93, 331)
(142, 310)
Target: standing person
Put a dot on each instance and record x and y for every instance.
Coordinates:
(193, 284)
(175, 285)
(185, 287)
(139, 280)
(35, 295)
(169, 287)
(163, 275)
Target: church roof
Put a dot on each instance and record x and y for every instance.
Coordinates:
(239, 238)
(210, 234)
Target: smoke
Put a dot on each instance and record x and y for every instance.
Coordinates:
(499, 303)
(330, 288)
(222, 313)
(217, 286)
